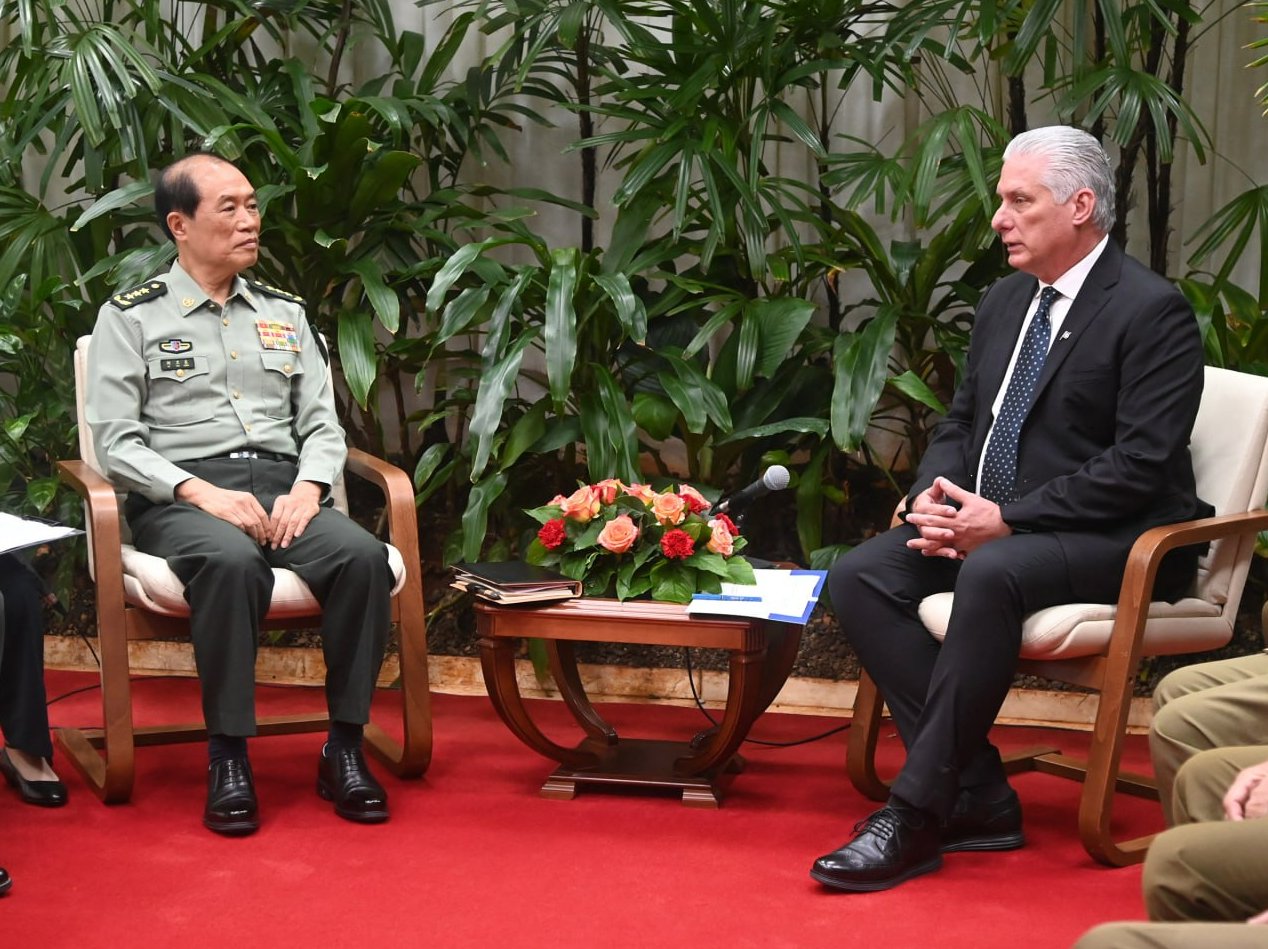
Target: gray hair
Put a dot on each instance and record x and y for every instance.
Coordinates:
(1075, 160)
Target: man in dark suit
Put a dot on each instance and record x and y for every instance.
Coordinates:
(1066, 439)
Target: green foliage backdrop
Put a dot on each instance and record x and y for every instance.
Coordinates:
(705, 321)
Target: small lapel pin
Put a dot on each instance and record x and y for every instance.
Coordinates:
(1065, 335)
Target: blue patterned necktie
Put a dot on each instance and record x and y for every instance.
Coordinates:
(999, 470)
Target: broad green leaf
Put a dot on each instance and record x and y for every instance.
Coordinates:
(357, 354)
(475, 519)
(561, 323)
(859, 363)
(118, 198)
(386, 306)
(912, 386)
(495, 387)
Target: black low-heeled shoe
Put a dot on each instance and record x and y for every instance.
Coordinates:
(344, 778)
(40, 793)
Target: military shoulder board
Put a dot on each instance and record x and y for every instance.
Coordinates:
(275, 291)
(147, 291)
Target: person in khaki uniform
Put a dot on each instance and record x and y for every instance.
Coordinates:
(208, 403)
(1205, 880)
(1221, 704)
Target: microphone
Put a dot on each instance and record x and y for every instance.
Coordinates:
(775, 478)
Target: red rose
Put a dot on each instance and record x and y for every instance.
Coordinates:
(677, 545)
(552, 533)
(728, 524)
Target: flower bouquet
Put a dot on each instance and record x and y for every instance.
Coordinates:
(629, 540)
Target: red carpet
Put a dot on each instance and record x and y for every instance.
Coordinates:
(472, 856)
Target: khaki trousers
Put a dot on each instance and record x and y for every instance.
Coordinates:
(1174, 936)
(1205, 877)
(1221, 704)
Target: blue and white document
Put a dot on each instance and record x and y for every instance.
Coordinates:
(787, 596)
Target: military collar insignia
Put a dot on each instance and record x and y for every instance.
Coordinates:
(147, 291)
(263, 287)
(175, 346)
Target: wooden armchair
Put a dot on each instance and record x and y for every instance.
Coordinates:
(138, 597)
(1100, 646)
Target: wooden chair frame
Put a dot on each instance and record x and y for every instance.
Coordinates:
(1111, 673)
(105, 756)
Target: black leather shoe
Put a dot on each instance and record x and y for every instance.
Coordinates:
(978, 825)
(41, 793)
(232, 809)
(6, 881)
(343, 777)
(890, 846)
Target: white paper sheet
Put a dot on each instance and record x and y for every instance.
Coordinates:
(788, 596)
(18, 532)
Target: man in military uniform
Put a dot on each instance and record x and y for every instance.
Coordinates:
(208, 403)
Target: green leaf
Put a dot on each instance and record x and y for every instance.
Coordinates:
(912, 386)
(475, 519)
(526, 431)
(495, 388)
(654, 414)
(696, 396)
(673, 582)
(859, 362)
(357, 354)
(118, 198)
(810, 500)
(561, 323)
(386, 306)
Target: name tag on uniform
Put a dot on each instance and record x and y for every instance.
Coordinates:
(278, 335)
(169, 365)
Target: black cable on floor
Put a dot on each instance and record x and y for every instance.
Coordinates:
(753, 741)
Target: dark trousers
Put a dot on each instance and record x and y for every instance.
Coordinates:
(944, 696)
(23, 705)
(229, 582)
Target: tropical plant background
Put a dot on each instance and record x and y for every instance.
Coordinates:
(555, 241)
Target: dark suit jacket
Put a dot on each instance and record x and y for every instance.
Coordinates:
(1105, 446)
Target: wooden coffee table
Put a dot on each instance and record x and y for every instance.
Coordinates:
(762, 655)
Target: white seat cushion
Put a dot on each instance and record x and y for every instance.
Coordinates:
(1073, 630)
(148, 582)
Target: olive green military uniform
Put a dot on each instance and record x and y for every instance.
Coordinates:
(180, 387)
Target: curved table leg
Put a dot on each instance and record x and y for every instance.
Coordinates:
(563, 666)
(497, 659)
(783, 640)
(743, 705)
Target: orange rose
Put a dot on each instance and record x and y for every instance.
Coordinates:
(641, 491)
(618, 535)
(581, 505)
(695, 500)
(669, 509)
(720, 542)
(608, 489)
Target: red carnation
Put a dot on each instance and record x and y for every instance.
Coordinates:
(553, 533)
(677, 545)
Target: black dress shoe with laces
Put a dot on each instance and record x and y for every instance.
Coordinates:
(892, 845)
(41, 793)
(976, 824)
(343, 777)
(232, 808)
(6, 881)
